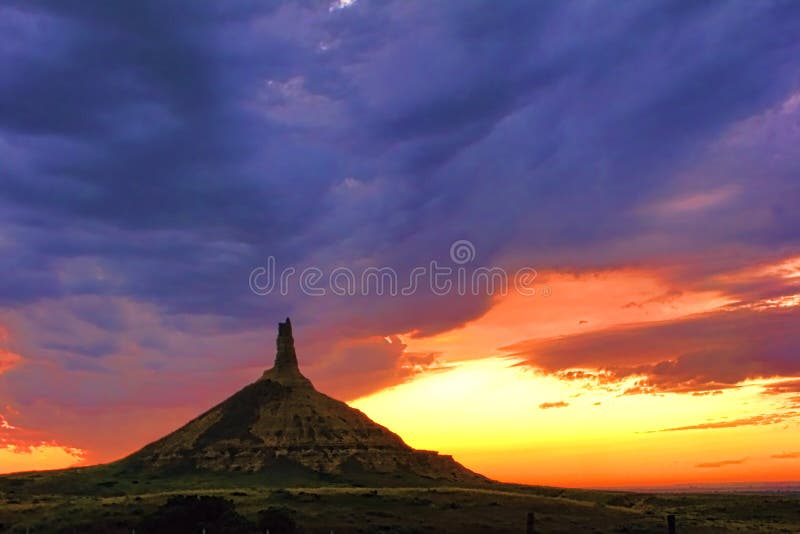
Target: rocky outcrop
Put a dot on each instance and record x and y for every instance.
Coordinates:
(282, 421)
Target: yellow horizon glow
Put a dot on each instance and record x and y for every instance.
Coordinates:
(487, 414)
(42, 457)
(513, 423)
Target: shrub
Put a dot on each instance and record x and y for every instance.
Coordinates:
(189, 514)
(277, 521)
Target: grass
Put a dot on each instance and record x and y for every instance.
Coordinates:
(493, 508)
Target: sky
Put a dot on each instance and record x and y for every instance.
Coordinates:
(637, 164)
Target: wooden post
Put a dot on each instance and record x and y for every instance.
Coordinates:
(671, 524)
(530, 527)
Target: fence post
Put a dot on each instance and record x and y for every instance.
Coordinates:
(671, 524)
(530, 527)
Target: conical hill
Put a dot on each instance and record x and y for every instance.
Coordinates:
(280, 424)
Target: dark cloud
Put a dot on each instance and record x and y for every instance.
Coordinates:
(700, 353)
(150, 144)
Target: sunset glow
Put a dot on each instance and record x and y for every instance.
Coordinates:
(37, 457)
(559, 241)
(509, 418)
(501, 411)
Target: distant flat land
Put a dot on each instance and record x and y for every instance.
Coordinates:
(42, 502)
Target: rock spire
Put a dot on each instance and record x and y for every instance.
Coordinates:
(286, 369)
(286, 358)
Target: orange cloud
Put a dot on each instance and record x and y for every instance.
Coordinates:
(704, 352)
(24, 450)
(354, 367)
(765, 419)
(8, 359)
(721, 463)
(698, 201)
(559, 404)
(786, 456)
(781, 387)
(577, 304)
(5, 425)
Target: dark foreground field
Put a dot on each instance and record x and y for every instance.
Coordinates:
(27, 505)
